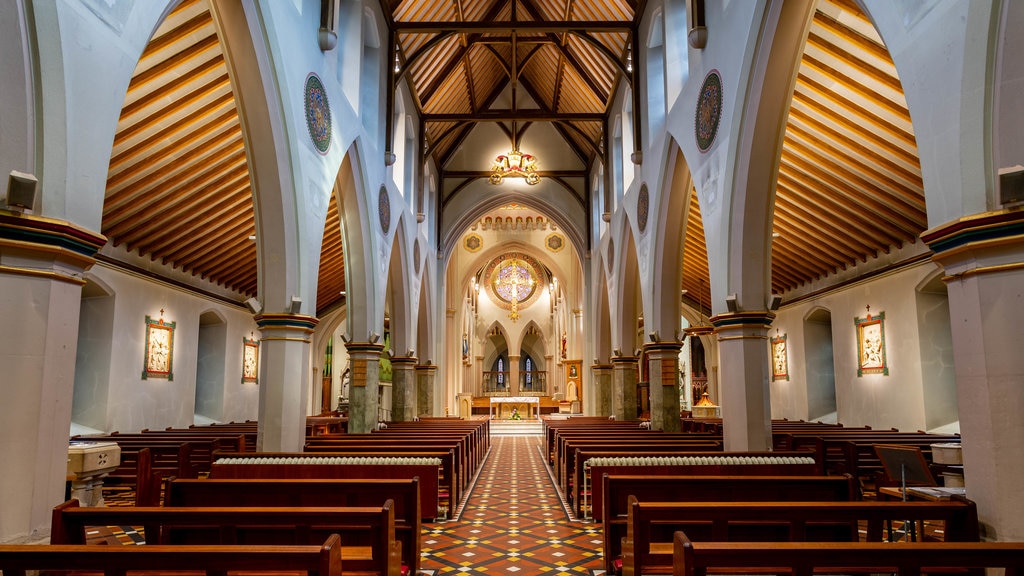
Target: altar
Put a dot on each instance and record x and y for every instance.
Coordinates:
(531, 412)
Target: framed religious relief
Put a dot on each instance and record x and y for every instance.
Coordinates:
(159, 355)
(780, 359)
(871, 344)
(250, 360)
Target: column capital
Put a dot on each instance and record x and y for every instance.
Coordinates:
(663, 348)
(47, 241)
(599, 366)
(426, 367)
(979, 244)
(405, 361)
(277, 326)
(364, 348)
(623, 360)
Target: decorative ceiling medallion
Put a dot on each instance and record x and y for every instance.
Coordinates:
(384, 209)
(554, 242)
(473, 243)
(643, 205)
(709, 110)
(512, 281)
(318, 113)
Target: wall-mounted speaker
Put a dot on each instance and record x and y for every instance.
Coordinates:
(1011, 185)
(254, 305)
(21, 191)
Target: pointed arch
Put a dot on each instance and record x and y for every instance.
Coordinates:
(672, 203)
(356, 225)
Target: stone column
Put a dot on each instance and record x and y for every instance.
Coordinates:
(746, 409)
(426, 374)
(364, 360)
(513, 375)
(403, 388)
(285, 372)
(42, 263)
(602, 389)
(478, 375)
(983, 257)
(624, 379)
(663, 364)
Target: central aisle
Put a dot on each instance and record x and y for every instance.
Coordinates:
(513, 522)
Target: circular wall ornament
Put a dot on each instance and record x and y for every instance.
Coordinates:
(611, 253)
(473, 243)
(709, 110)
(513, 281)
(318, 113)
(384, 209)
(416, 256)
(643, 206)
(554, 242)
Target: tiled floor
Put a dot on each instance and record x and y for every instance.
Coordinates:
(514, 522)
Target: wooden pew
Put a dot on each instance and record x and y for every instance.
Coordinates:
(647, 547)
(323, 560)
(806, 558)
(570, 446)
(788, 464)
(367, 532)
(618, 489)
(450, 482)
(310, 493)
(288, 465)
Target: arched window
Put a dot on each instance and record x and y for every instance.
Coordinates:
(529, 370)
(501, 371)
(655, 64)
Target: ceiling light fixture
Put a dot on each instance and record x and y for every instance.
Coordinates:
(629, 60)
(515, 164)
(398, 67)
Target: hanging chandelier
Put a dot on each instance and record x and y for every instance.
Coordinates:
(515, 164)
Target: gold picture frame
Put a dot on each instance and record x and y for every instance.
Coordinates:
(159, 354)
(871, 344)
(780, 358)
(250, 361)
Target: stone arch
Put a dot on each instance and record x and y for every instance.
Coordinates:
(630, 295)
(267, 150)
(775, 61)
(400, 294)
(670, 206)
(453, 231)
(364, 315)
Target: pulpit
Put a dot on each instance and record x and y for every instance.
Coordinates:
(88, 464)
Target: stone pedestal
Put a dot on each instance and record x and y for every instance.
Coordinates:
(663, 366)
(364, 359)
(426, 374)
(88, 464)
(403, 388)
(602, 389)
(624, 379)
(746, 411)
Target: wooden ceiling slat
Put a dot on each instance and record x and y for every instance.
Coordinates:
(787, 211)
(166, 92)
(841, 105)
(904, 198)
(192, 201)
(811, 265)
(203, 165)
(223, 237)
(905, 154)
(817, 237)
(198, 221)
(210, 112)
(911, 178)
(862, 192)
(122, 188)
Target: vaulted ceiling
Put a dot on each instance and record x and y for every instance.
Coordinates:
(179, 191)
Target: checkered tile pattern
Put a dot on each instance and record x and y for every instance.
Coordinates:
(513, 522)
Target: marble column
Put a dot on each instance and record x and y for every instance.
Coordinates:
(602, 389)
(364, 404)
(285, 372)
(746, 410)
(983, 257)
(42, 263)
(624, 379)
(403, 387)
(663, 365)
(426, 375)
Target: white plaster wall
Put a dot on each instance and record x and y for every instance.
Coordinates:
(134, 403)
(1009, 122)
(876, 400)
